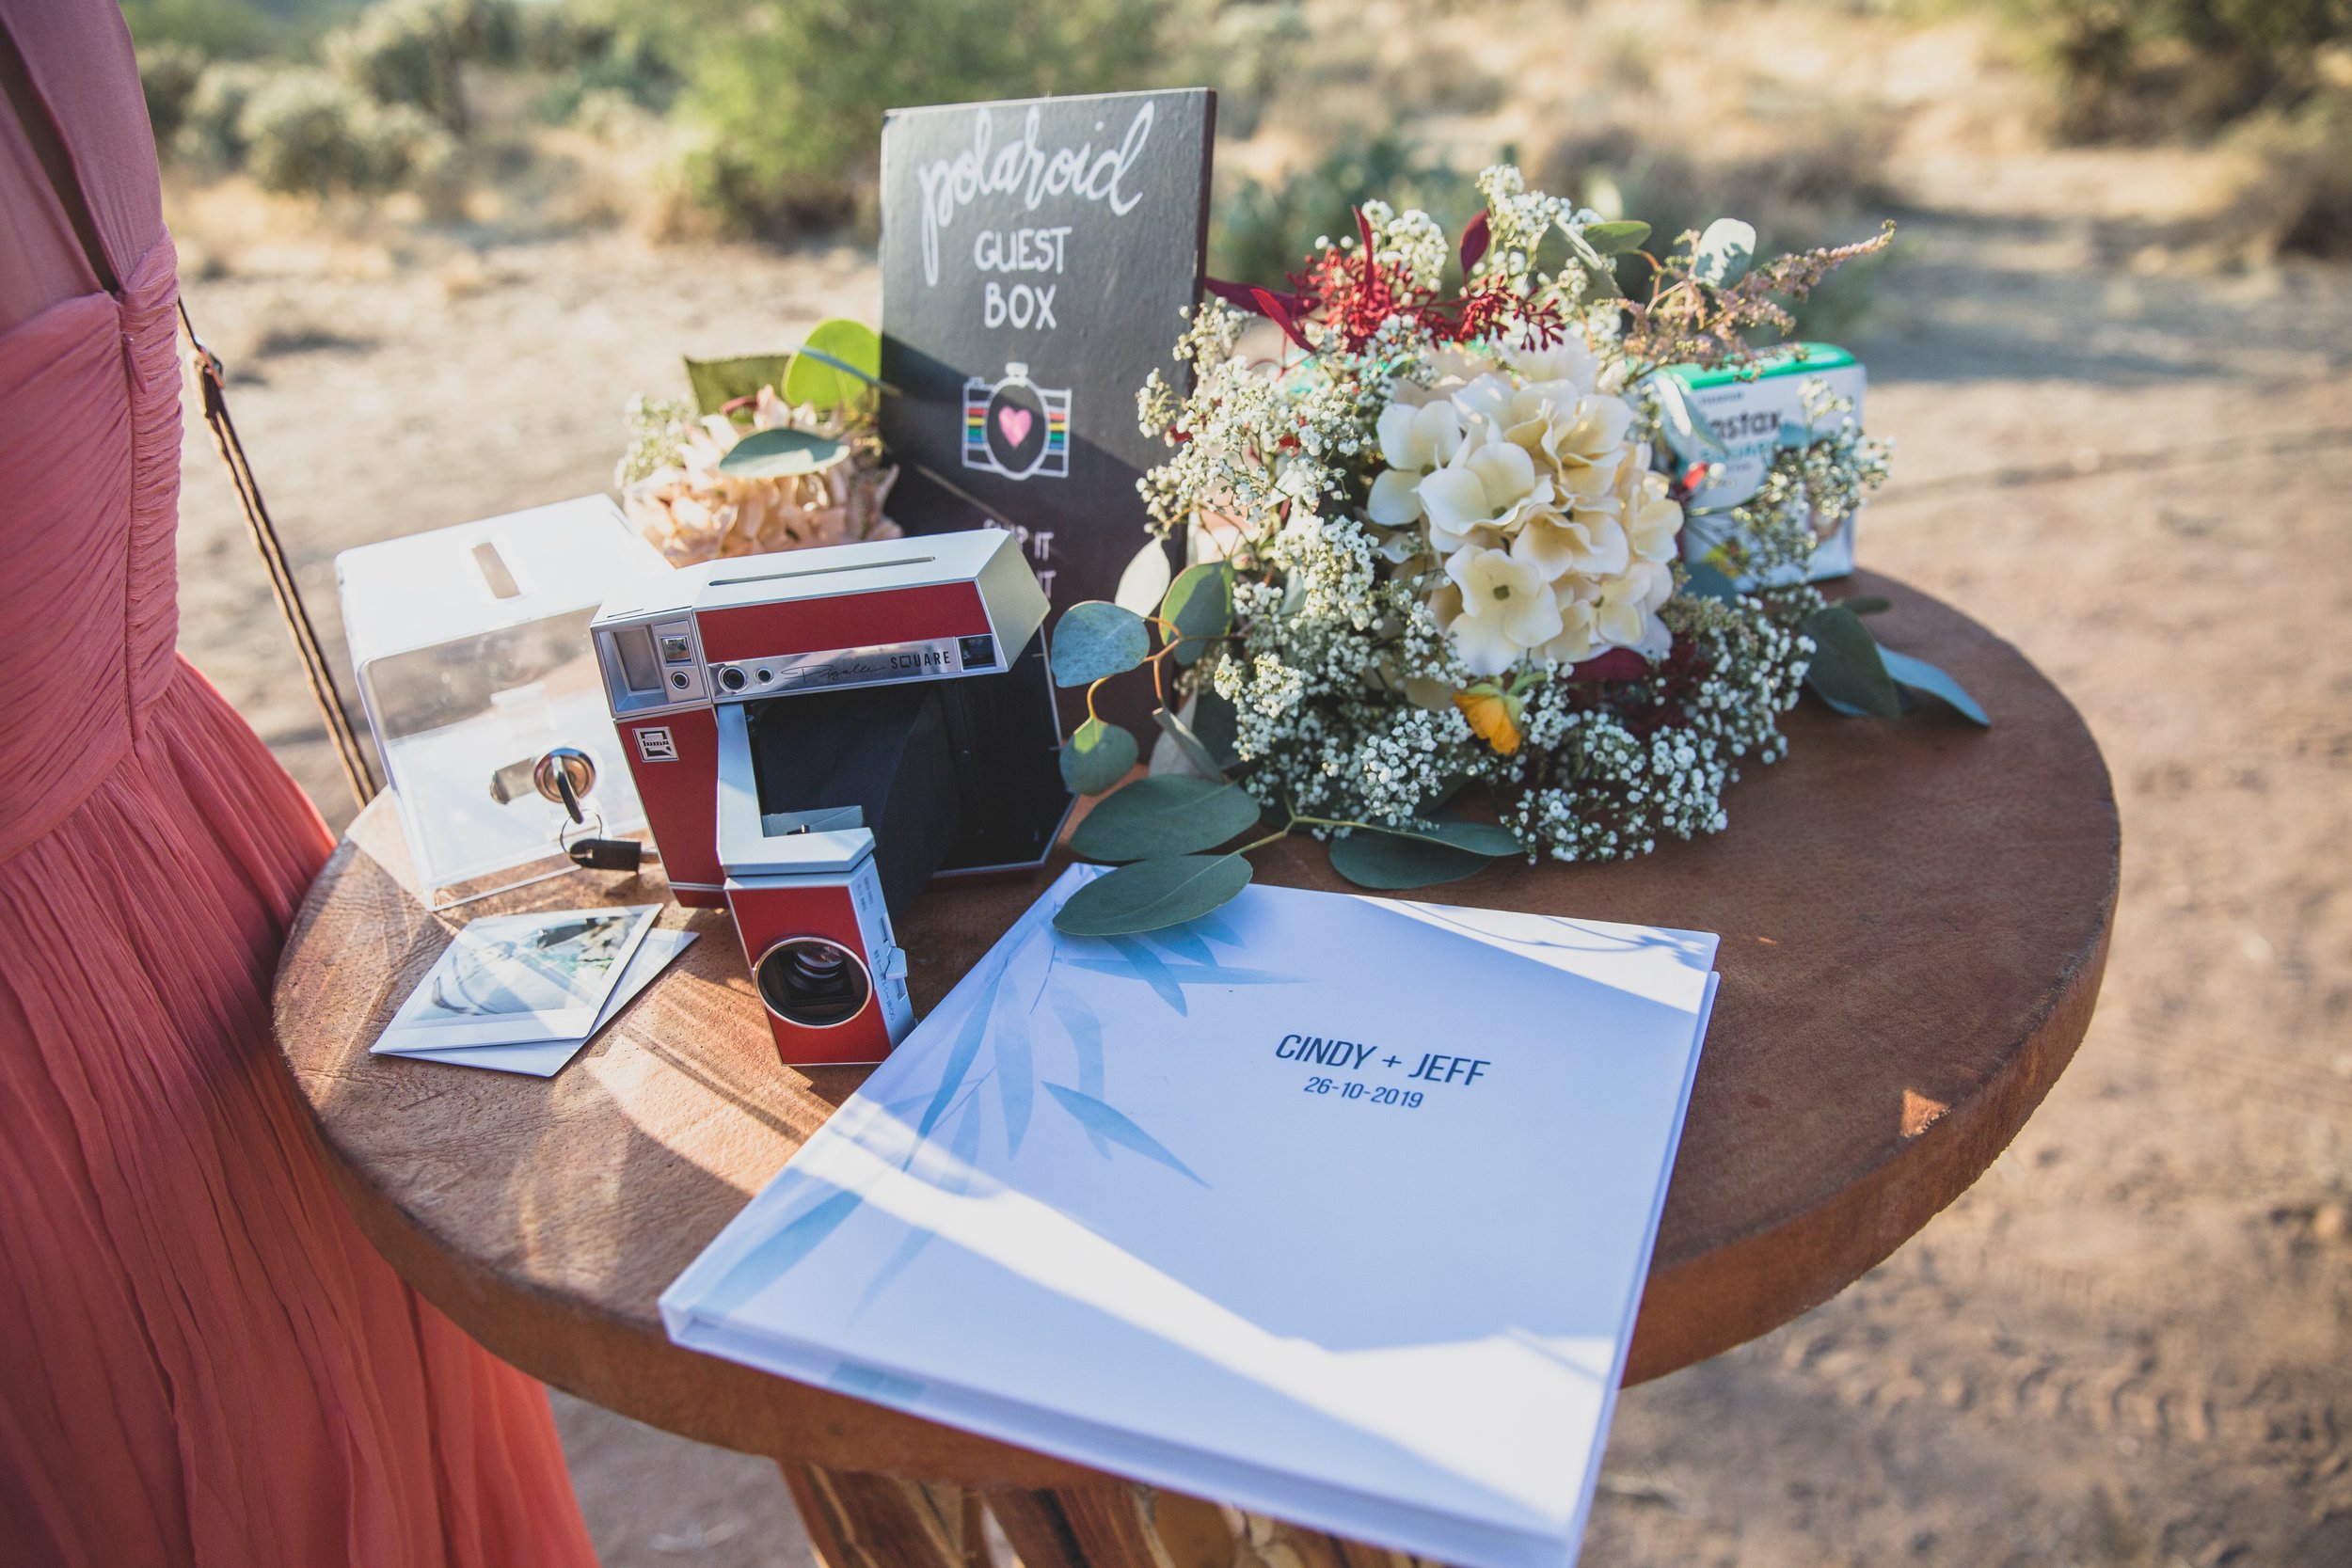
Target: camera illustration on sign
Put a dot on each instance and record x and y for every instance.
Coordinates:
(1014, 427)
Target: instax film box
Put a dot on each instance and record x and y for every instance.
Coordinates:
(1748, 416)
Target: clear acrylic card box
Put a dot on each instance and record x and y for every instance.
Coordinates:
(474, 661)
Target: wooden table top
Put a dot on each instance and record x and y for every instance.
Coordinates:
(1915, 917)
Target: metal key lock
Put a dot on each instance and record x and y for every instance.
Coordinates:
(564, 775)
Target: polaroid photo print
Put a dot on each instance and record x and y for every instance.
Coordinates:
(545, 1059)
(521, 978)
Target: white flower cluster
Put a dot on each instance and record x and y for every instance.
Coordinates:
(1518, 221)
(1536, 491)
(1413, 238)
(1607, 786)
(1809, 492)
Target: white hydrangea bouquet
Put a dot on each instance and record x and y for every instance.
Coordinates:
(1436, 610)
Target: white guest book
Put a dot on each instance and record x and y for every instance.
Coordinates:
(1335, 1207)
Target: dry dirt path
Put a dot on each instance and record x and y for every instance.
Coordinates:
(2132, 1342)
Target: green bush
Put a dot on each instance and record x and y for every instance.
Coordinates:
(211, 120)
(414, 51)
(1812, 189)
(2302, 204)
(592, 50)
(2139, 68)
(169, 74)
(789, 94)
(215, 29)
(1261, 234)
(308, 132)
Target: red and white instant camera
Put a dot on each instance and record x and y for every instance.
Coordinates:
(816, 735)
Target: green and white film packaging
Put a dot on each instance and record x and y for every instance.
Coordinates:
(1754, 417)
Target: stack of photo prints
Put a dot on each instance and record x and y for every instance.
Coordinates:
(523, 992)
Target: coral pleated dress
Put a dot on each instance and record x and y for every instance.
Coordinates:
(202, 1360)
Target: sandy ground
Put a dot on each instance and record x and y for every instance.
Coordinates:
(2132, 1342)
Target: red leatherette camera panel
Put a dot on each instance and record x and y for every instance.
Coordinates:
(681, 800)
(846, 621)
(765, 916)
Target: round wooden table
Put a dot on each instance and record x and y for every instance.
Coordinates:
(1915, 917)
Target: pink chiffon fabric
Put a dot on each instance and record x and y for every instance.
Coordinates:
(202, 1360)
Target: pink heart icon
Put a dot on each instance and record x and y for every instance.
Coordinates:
(1015, 424)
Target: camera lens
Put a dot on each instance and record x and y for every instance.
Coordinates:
(810, 981)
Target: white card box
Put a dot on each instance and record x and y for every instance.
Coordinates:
(473, 658)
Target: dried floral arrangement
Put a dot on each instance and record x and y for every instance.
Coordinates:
(1439, 611)
(772, 452)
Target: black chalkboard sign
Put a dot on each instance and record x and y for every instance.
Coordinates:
(1037, 257)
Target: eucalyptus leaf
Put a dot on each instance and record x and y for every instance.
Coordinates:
(1095, 639)
(1201, 602)
(1181, 734)
(1097, 755)
(1689, 438)
(1419, 857)
(838, 367)
(1582, 249)
(1152, 894)
(1847, 669)
(1616, 239)
(1710, 581)
(1604, 283)
(1868, 604)
(1166, 814)
(1919, 676)
(1216, 723)
(719, 382)
(1489, 839)
(1373, 859)
(1724, 253)
(1144, 580)
(780, 453)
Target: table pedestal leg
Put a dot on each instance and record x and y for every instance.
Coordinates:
(857, 1520)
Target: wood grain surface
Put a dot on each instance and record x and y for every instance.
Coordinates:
(1914, 916)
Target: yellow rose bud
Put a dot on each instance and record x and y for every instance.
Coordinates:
(1494, 718)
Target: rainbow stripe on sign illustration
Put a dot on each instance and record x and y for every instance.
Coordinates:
(1014, 427)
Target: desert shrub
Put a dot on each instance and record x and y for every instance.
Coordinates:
(308, 133)
(1812, 188)
(1260, 232)
(1247, 50)
(2141, 69)
(211, 120)
(591, 52)
(169, 74)
(215, 29)
(788, 94)
(414, 51)
(2302, 204)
